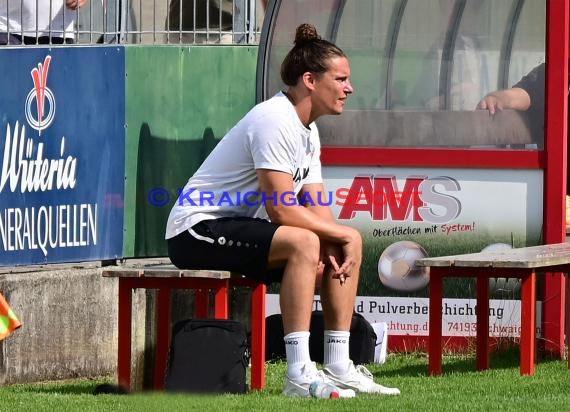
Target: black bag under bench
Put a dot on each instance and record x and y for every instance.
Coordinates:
(207, 356)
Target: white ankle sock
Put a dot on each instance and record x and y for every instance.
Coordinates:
(336, 351)
(297, 352)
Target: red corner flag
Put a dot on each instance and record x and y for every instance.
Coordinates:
(8, 320)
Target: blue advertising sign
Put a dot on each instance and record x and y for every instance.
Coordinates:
(62, 148)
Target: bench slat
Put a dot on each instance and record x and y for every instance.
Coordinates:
(121, 272)
(526, 257)
(162, 271)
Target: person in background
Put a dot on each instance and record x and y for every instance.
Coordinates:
(38, 21)
(527, 95)
(467, 77)
(200, 21)
(280, 231)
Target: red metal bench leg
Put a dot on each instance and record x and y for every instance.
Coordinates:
(528, 324)
(221, 301)
(435, 318)
(258, 336)
(482, 351)
(567, 312)
(163, 319)
(124, 334)
(201, 298)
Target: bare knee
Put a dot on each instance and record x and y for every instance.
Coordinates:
(295, 245)
(306, 246)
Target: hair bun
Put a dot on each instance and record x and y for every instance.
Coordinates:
(305, 33)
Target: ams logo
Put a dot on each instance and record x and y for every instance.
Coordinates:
(421, 199)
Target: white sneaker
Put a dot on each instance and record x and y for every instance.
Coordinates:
(299, 387)
(359, 379)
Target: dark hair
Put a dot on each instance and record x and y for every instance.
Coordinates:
(309, 54)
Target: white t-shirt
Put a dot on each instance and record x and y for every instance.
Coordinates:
(53, 18)
(271, 136)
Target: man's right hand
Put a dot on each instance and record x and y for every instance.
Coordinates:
(352, 255)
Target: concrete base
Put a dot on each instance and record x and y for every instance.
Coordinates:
(68, 317)
(69, 323)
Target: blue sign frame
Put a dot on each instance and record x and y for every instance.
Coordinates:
(62, 140)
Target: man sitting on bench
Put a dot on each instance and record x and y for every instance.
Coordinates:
(256, 206)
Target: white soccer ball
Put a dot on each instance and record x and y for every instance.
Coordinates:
(503, 286)
(397, 267)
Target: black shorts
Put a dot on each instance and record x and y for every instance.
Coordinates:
(239, 245)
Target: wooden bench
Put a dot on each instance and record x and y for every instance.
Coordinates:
(521, 263)
(166, 277)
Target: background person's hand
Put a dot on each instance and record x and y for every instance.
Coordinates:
(514, 98)
(491, 103)
(75, 4)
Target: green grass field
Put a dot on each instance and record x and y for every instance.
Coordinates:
(461, 388)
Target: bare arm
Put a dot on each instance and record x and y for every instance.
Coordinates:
(280, 212)
(514, 98)
(316, 201)
(314, 217)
